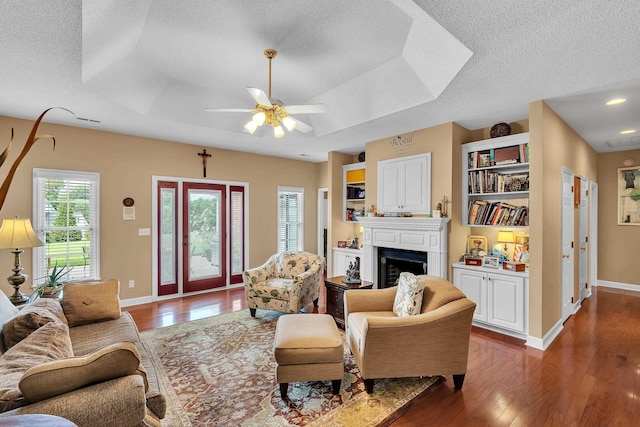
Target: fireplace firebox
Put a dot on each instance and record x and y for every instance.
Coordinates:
(392, 262)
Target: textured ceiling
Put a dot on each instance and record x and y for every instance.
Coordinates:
(148, 68)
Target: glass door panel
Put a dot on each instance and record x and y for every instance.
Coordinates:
(237, 233)
(167, 238)
(204, 245)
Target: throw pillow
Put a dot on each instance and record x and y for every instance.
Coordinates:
(62, 376)
(30, 318)
(48, 343)
(91, 302)
(408, 299)
(7, 311)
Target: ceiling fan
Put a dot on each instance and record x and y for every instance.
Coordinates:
(272, 111)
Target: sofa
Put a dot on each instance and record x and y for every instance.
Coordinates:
(430, 337)
(80, 358)
(286, 282)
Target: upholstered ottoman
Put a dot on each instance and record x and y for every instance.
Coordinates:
(308, 347)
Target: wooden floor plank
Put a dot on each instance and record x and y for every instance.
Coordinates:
(589, 376)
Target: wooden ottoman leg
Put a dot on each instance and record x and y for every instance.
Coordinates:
(283, 389)
(335, 385)
(368, 385)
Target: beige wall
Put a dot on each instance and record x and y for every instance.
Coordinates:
(618, 245)
(553, 145)
(126, 165)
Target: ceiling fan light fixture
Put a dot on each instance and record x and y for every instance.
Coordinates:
(251, 127)
(259, 118)
(289, 123)
(278, 132)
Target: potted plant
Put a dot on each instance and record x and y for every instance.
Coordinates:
(54, 281)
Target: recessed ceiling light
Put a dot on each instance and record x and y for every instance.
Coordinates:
(627, 132)
(616, 101)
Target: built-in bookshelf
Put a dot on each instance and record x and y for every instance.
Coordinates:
(354, 190)
(495, 182)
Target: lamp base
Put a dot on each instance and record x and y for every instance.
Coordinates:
(18, 297)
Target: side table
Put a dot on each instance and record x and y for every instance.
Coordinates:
(335, 296)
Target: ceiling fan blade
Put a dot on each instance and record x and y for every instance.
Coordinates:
(306, 109)
(260, 97)
(302, 126)
(228, 110)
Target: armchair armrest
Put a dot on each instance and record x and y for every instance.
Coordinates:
(368, 300)
(259, 274)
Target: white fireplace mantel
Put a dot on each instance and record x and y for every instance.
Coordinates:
(428, 235)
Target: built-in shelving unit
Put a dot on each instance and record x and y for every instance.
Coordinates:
(495, 182)
(354, 184)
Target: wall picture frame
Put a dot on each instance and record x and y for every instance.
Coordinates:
(491, 261)
(629, 196)
(521, 248)
(342, 243)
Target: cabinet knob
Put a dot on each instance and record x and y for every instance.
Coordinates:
(582, 248)
(565, 255)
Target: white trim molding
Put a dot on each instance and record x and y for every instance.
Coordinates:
(617, 285)
(545, 342)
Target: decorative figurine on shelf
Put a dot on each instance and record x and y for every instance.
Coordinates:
(353, 273)
(354, 243)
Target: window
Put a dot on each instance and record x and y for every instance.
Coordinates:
(290, 219)
(66, 218)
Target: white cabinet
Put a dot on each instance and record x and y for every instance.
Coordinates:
(404, 185)
(500, 297)
(341, 259)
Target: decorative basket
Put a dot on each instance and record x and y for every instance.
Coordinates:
(500, 129)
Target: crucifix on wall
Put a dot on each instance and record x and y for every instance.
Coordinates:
(204, 156)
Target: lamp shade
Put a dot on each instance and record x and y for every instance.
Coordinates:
(505, 237)
(18, 233)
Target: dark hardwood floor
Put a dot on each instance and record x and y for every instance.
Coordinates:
(589, 376)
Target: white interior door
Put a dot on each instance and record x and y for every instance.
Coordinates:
(567, 243)
(583, 248)
(593, 237)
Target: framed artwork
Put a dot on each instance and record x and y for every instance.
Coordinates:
(491, 261)
(521, 248)
(629, 196)
(476, 246)
(342, 243)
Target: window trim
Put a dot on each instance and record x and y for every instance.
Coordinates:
(37, 218)
(300, 192)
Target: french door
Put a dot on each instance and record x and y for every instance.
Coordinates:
(202, 225)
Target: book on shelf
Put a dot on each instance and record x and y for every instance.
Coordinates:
(500, 213)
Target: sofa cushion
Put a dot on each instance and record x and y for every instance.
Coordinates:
(30, 318)
(93, 336)
(62, 376)
(408, 300)
(7, 311)
(48, 343)
(91, 302)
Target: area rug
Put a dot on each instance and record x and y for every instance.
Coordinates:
(220, 371)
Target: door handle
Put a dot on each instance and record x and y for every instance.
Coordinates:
(565, 255)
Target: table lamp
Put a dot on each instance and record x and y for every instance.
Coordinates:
(507, 238)
(14, 234)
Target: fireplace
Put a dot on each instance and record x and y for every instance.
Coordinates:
(427, 236)
(392, 262)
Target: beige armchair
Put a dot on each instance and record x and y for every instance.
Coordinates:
(434, 342)
(287, 282)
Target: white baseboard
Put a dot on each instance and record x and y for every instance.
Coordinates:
(617, 285)
(544, 343)
(135, 301)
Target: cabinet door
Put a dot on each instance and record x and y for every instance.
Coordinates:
(415, 186)
(339, 267)
(389, 175)
(506, 302)
(474, 286)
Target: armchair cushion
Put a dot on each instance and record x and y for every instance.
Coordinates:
(408, 300)
(30, 318)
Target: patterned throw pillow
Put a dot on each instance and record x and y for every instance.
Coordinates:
(408, 300)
